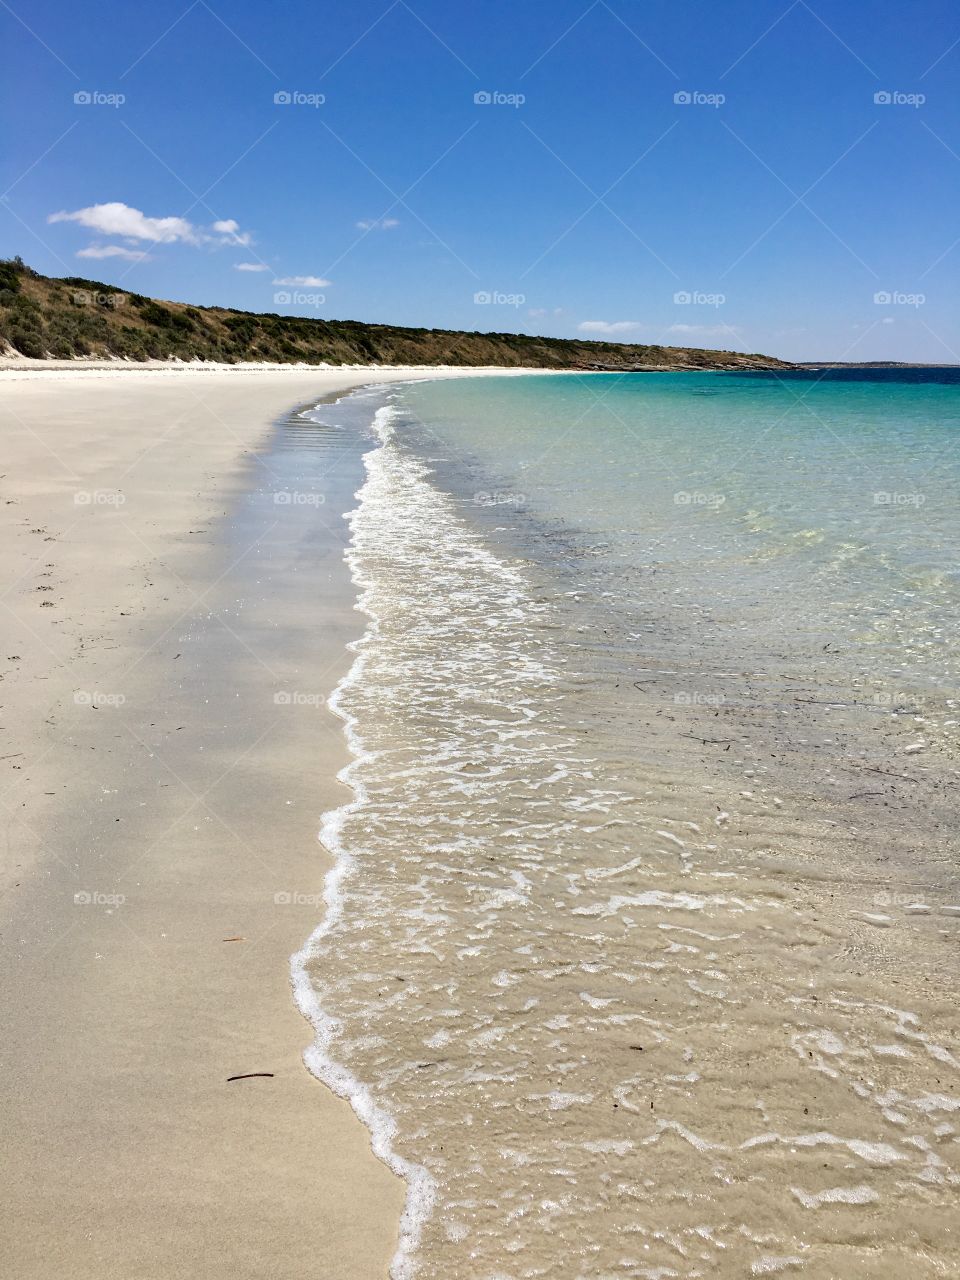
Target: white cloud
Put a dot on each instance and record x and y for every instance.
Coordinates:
(230, 230)
(705, 330)
(608, 326)
(250, 266)
(887, 320)
(538, 313)
(118, 219)
(305, 282)
(113, 251)
(378, 224)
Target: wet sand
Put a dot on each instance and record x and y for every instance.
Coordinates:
(161, 809)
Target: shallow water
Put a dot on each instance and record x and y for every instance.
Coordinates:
(640, 958)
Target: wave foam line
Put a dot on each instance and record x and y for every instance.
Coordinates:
(421, 1188)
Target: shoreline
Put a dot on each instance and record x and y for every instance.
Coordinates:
(419, 1186)
(145, 959)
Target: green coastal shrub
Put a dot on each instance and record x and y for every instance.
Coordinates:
(77, 316)
(10, 272)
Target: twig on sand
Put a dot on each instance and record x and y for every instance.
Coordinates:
(872, 768)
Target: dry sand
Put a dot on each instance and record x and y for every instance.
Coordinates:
(161, 860)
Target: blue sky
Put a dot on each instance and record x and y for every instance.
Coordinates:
(767, 212)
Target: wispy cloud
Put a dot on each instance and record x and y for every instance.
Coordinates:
(609, 327)
(118, 219)
(304, 282)
(378, 224)
(250, 266)
(113, 251)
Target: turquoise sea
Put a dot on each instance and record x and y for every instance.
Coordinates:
(640, 958)
(819, 508)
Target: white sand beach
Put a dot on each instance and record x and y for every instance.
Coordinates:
(152, 826)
